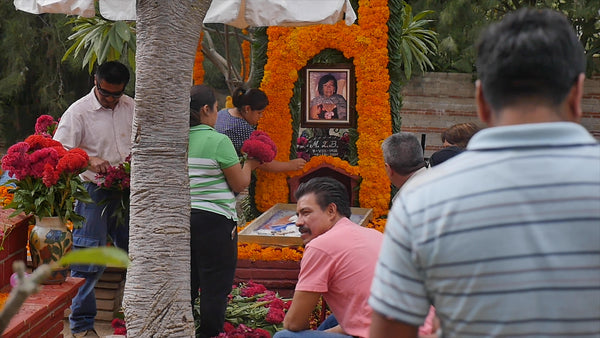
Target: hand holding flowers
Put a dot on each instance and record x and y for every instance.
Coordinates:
(117, 180)
(260, 146)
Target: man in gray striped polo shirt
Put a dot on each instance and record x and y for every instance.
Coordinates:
(504, 239)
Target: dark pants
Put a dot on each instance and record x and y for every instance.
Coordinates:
(214, 258)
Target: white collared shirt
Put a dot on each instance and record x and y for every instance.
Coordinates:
(101, 132)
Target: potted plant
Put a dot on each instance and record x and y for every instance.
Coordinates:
(46, 184)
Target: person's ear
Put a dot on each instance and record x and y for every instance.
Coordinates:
(573, 100)
(389, 171)
(484, 111)
(205, 109)
(332, 210)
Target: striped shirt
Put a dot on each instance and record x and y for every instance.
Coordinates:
(209, 153)
(503, 239)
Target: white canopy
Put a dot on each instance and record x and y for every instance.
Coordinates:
(111, 9)
(245, 13)
(237, 13)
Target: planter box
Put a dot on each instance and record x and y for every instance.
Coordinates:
(278, 276)
(15, 244)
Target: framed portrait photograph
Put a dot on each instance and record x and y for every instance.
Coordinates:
(328, 96)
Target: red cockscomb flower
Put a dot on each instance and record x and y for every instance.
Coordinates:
(275, 315)
(45, 126)
(73, 161)
(16, 161)
(252, 289)
(39, 159)
(260, 146)
(38, 142)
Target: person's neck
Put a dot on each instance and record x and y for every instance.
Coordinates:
(235, 112)
(525, 114)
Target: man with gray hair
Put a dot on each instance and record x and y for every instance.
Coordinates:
(403, 158)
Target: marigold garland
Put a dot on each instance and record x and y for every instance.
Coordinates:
(5, 196)
(3, 299)
(289, 50)
(246, 54)
(198, 60)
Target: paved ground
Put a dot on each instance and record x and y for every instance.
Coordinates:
(104, 329)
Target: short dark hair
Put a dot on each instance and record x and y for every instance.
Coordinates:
(460, 134)
(530, 54)
(323, 80)
(327, 190)
(255, 98)
(113, 72)
(200, 95)
(403, 153)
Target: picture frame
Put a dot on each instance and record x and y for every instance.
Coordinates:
(360, 216)
(328, 96)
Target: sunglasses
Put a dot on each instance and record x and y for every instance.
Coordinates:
(106, 93)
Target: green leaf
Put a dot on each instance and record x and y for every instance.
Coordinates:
(122, 30)
(109, 256)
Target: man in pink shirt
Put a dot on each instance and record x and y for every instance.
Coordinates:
(338, 263)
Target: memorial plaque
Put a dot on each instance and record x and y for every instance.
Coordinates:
(324, 145)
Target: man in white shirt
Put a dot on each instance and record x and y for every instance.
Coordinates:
(99, 123)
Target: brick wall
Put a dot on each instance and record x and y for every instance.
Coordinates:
(436, 101)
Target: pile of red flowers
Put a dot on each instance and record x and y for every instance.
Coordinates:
(46, 178)
(243, 331)
(119, 326)
(260, 146)
(256, 311)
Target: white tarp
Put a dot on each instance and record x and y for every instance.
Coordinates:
(245, 13)
(237, 13)
(109, 9)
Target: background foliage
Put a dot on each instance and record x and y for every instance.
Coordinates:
(459, 22)
(33, 80)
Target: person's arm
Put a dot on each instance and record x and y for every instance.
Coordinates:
(238, 177)
(298, 316)
(382, 327)
(278, 166)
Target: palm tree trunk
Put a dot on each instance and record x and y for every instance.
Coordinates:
(157, 290)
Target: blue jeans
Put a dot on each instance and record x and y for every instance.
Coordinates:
(319, 332)
(98, 225)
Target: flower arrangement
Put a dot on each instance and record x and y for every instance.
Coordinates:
(289, 50)
(117, 180)
(46, 176)
(256, 311)
(260, 146)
